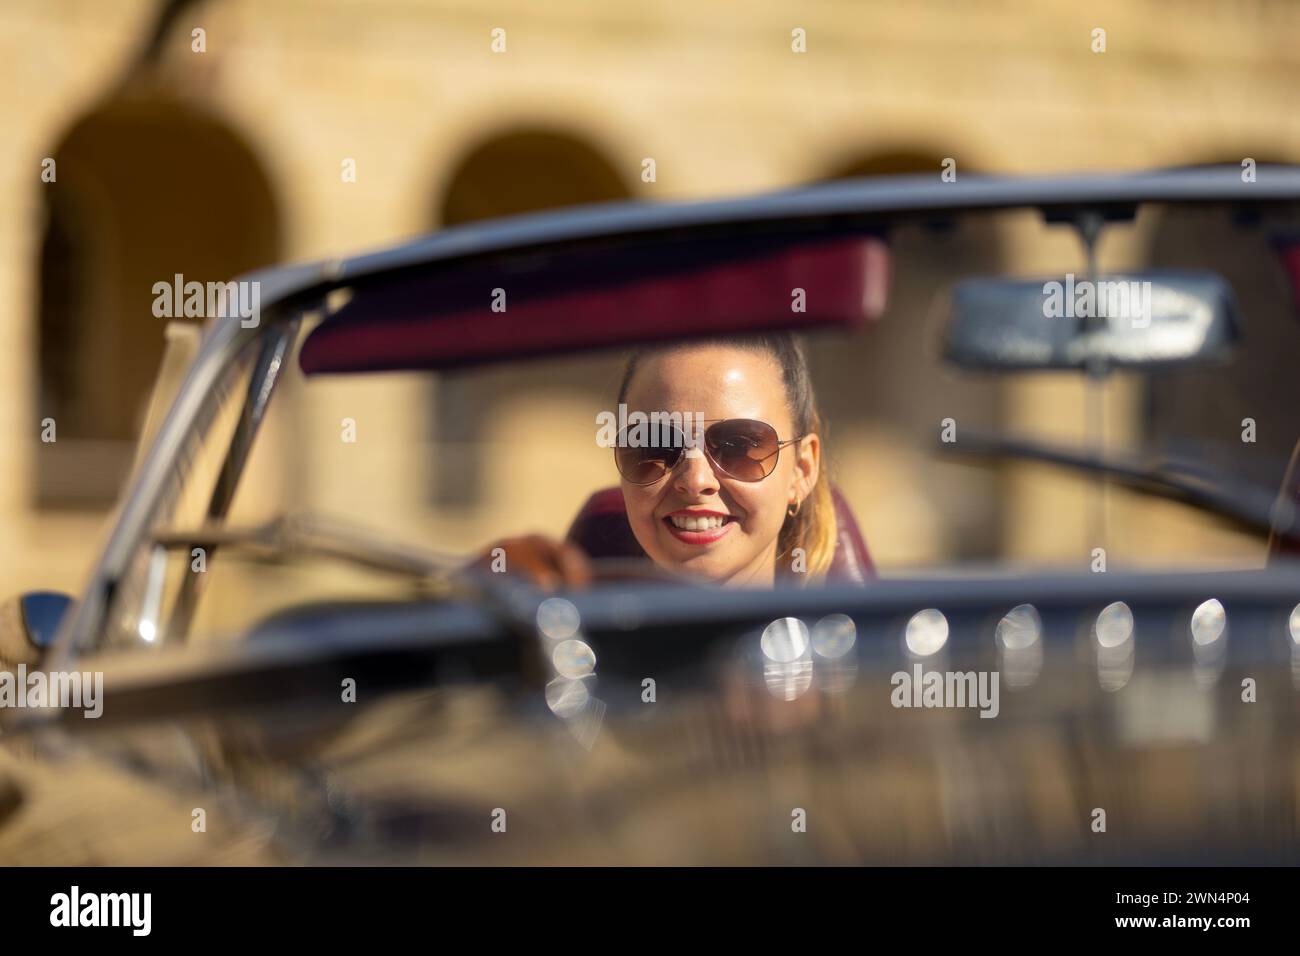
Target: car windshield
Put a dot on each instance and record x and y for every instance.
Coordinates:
(445, 464)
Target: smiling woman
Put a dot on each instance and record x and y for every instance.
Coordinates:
(766, 514)
(748, 503)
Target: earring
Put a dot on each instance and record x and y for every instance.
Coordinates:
(793, 509)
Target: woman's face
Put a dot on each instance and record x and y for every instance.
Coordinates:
(719, 382)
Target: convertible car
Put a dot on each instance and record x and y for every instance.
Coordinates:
(260, 705)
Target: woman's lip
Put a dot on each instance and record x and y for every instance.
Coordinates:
(696, 537)
(698, 513)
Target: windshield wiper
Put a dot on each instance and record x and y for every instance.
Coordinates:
(1194, 483)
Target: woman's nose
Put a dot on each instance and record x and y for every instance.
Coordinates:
(694, 475)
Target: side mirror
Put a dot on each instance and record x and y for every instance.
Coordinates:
(28, 624)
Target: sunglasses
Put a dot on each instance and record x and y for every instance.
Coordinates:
(740, 448)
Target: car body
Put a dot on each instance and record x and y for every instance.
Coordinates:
(703, 725)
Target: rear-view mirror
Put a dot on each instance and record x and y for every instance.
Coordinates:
(1135, 320)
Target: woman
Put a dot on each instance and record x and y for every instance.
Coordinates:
(744, 504)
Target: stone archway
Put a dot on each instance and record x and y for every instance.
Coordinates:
(145, 188)
(526, 170)
(515, 171)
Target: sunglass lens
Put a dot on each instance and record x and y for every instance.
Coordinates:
(644, 458)
(745, 449)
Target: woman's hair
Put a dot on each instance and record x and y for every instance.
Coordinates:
(813, 528)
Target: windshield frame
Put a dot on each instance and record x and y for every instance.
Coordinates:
(880, 201)
(286, 294)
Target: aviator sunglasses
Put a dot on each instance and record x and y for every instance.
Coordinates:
(740, 448)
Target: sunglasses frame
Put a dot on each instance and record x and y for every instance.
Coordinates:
(704, 447)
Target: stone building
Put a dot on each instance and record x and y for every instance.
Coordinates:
(208, 138)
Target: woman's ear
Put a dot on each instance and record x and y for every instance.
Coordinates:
(807, 467)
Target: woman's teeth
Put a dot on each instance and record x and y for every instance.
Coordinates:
(704, 523)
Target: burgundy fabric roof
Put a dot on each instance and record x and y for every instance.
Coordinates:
(611, 295)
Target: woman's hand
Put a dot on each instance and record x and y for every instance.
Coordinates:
(544, 562)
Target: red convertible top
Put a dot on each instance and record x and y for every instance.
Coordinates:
(588, 298)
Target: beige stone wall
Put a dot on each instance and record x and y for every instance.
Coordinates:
(714, 94)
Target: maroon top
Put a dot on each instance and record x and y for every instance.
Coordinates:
(578, 300)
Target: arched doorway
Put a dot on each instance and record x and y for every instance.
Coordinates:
(513, 172)
(526, 171)
(145, 189)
